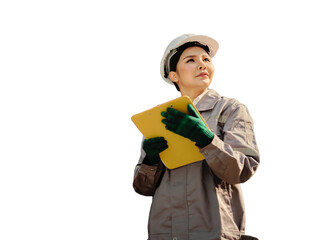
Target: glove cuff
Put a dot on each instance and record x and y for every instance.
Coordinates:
(151, 161)
(206, 138)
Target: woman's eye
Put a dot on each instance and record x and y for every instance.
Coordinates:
(207, 59)
(190, 60)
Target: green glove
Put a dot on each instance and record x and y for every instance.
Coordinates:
(189, 126)
(152, 147)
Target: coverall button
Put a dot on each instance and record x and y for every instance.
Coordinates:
(175, 238)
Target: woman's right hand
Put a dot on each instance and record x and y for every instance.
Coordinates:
(152, 147)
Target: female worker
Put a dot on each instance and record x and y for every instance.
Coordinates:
(202, 200)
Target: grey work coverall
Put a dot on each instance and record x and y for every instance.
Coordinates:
(203, 200)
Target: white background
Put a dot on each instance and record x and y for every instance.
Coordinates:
(72, 73)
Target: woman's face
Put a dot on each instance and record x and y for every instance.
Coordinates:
(194, 70)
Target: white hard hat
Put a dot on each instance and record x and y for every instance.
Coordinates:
(177, 42)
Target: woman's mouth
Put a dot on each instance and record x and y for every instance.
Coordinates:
(203, 74)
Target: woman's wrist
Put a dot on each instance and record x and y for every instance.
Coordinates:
(151, 161)
(206, 139)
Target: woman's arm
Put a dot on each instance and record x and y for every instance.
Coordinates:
(235, 157)
(147, 177)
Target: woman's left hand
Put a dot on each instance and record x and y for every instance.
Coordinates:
(189, 125)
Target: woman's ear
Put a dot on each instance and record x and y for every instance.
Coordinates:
(173, 76)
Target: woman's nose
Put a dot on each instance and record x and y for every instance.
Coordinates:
(202, 66)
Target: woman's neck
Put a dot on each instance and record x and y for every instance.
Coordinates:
(193, 94)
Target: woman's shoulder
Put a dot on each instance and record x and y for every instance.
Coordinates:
(227, 102)
(225, 106)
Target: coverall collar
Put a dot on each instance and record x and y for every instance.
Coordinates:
(208, 101)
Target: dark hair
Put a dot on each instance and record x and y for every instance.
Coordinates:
(175, 58)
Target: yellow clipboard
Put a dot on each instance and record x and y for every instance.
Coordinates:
(181, 151)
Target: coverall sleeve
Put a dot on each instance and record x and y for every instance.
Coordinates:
(147, 178)
(235, 157)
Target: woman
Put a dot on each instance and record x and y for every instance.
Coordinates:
(202, 200)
